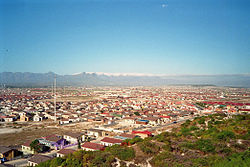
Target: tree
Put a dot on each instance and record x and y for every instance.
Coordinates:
(56, 162)
(201, 120)
(79, 144)
(137, 113)
(123, 153)
(35, 145)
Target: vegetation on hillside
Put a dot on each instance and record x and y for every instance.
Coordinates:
(214, 140)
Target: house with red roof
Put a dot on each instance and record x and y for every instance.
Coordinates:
(64, 152)
(143, 134)
(108, 141)
(26, 149)
(88, 146)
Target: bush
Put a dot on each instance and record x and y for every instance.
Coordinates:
(149, 147)
(188, 145)
(185, 131)
(135, 140)
(137, 113)
(56, 162)
(205, 145)
(236, 160)
(123, 153)
(194, 128)
(162, 137)
(186, 124)
(224, 135)
(72, 162)
(161, 160)
(218, 122)
(201, 121)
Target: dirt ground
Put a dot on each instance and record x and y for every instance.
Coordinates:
(20, 133)
(140, 157)
(19, 138)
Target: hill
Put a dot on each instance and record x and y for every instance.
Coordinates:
(214, 140)
(28, 79)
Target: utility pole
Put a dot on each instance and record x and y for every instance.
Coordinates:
(55, 97)
(52, 87)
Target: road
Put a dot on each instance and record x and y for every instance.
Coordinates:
(168, 124)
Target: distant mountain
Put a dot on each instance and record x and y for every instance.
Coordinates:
(28, 79)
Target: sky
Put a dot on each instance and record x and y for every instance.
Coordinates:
(125, 36)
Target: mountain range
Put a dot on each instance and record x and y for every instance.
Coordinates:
(27, 79)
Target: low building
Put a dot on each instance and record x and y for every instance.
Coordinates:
(73, 137)
(26, 149)
(142, 134)
(108, 141)
(127, 136)
(94, 132)
(8, 153)
(88, 146)
(153, 121)
(53, 141)
(142, 122)
(128, 120)
(38, 117)
(25, 118)
(64, 121)
(37, 159)
(64, 152)
(9, 119)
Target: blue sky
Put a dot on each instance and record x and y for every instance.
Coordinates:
(125, 36)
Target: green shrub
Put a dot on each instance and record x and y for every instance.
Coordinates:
(194, 128)
(149, 147)
(205, 145)
(224, 135)
(123, 153)
(201, 121)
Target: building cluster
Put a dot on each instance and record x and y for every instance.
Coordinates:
(120, 113)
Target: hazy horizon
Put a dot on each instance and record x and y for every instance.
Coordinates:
(127, 74)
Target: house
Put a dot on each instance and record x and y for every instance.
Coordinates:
(26, 149)
(8, 153)
(73, 137)
(64, 121)
(88, 146)
(142, 122)
(25, 118)
(64, 152)
(165, 118)
(128, 120)
(9, 119)
(94, 132)
(153, 120)
(37, 159)
(127, 136)
(53, 141)
(38, 117)
(142, 134)
(108, 141)
(2, 118)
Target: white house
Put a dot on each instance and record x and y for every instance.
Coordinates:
(108, 141)
(73, 137)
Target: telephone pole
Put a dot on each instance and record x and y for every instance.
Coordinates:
(55, 97)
